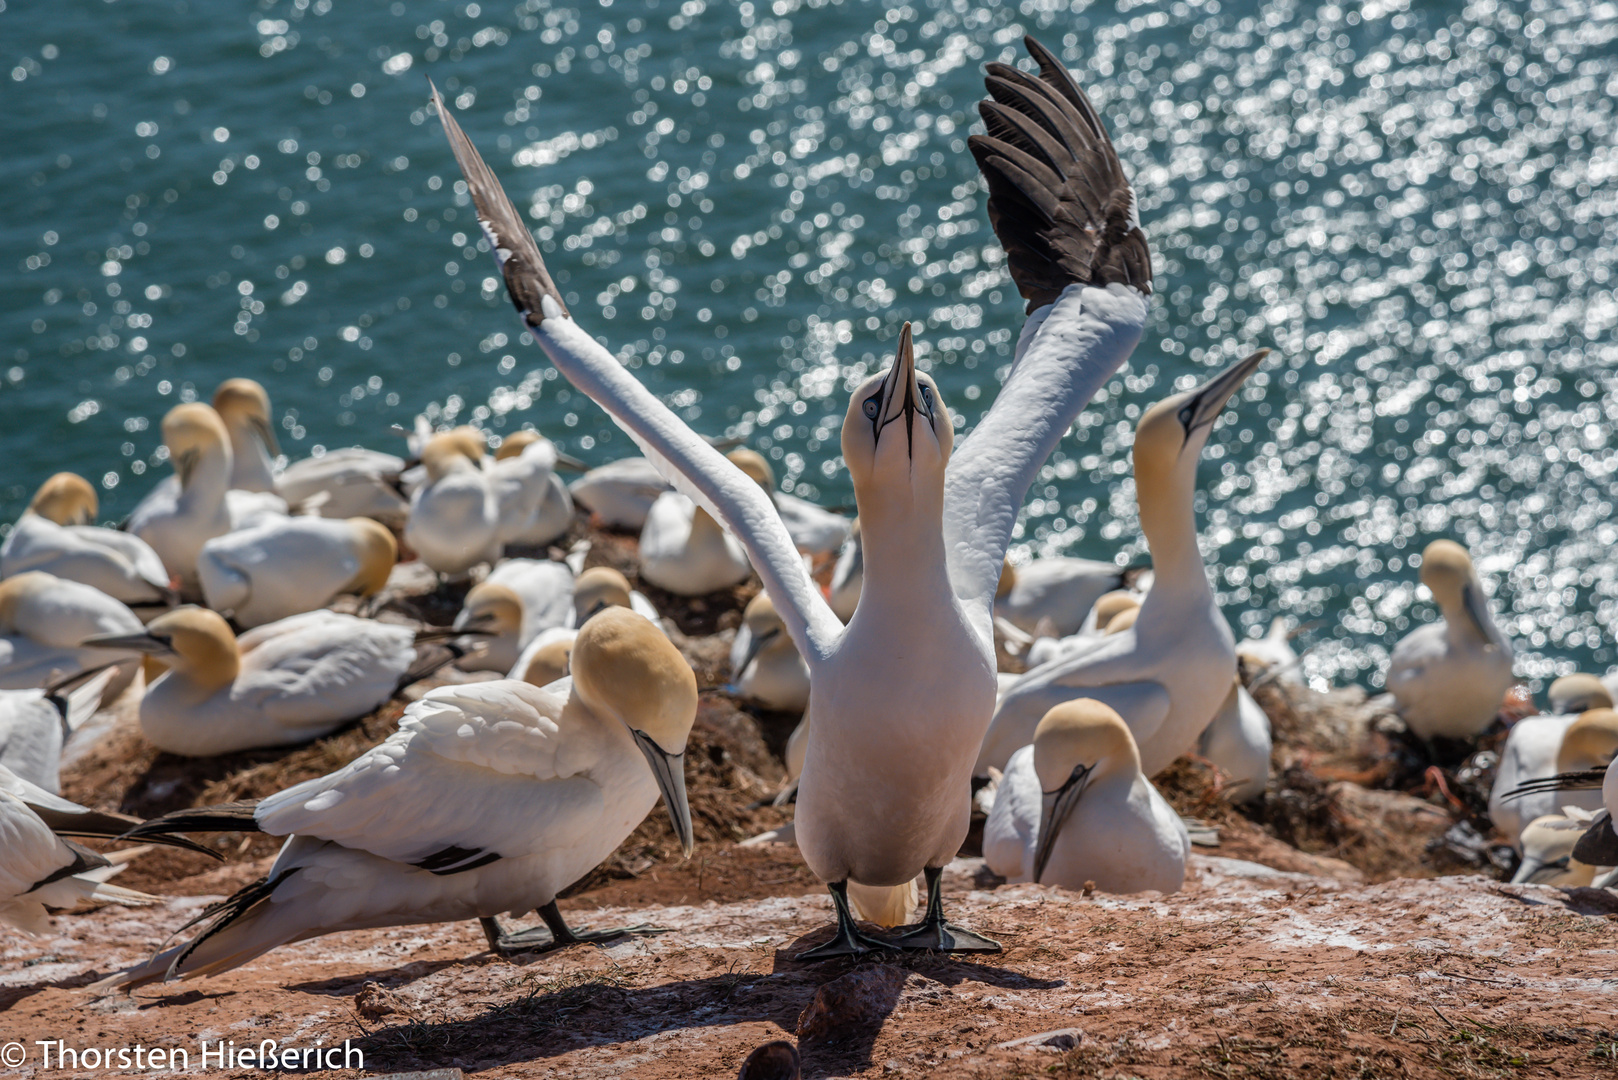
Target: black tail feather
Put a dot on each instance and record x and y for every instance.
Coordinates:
(1584, 780)
(227, 817)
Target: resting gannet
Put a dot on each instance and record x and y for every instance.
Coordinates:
(1169, 673)
(519, 598)
(35, 723)
(1237, 743)
(683, 550)
(348, 482)
(764, 663)
(595, 590)
(43, 619)
(1073, 806)
(57, 534)
(619, 494)
(1272, 655)
(1547, 850)
(547, 658)
(287, 682)
(455, 516)
(552, 512)
(177, 520)
(286, 566)
(1112, 613)
(1542, 747)
(491, 797)
(1578, 692)
(41, 870)
(901, 696)
(244, 407)
(1058, 592)
(848, 575)
(1449, 677)
(817, 532)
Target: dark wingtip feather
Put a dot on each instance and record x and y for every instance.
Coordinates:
(1599, 844)
(527, 280)
(1077, 227)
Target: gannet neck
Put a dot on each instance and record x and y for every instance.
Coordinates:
(66, 499)
(704, 529)
(1589, 742)
(199, 448)
(377, 550)
(17, 596)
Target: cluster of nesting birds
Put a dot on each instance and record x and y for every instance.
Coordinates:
(885, 633)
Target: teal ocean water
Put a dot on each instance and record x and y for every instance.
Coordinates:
(1413, 203)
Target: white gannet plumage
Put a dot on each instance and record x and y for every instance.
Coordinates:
(529, 474)
(1272, 653)
(1169, 673)
(1448, 677)
(1540, 747)
(848, 575)
(816, 531)
(286, 566)
(1547, 845)
(1057, 591)
(1110, 614)
(519, 599)
(244, 406)
(282, 683)
(765, 667)
(177, 519)
(454, 519)
(1237, 742)
(348, 482)
(491, 797)
(619, 494)
(35, 723)
(683, 550)
(1073, 806)
(902, 695)
(58, 534)
(43, 620)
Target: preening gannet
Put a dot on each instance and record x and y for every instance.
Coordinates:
(283, 683)
(348, 482)
(244, 406)
(1169, 673)
(1449, 677)
(43, 619)
(1547, 850)
(848, 575)
(35, 723)
(176, 520)
(455, 516)
(619, 494)
(685, 551)
(491, 797)
(901, 696)
(530, 470)
(519, 598)
(58, 534)
(286, 566)
(40, 869)
(1073, 806)
(764, 663)
(1542, 747)
(1237, 743)
(1058, 592)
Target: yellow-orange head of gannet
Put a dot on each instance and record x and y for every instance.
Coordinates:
(192, 432)
(67, 499)
(447, 451)
(1589, 742)
(196, 643)
(597, 588)
(1577, 693)
(549, 662)
(378, 551)
(491, 607)
(754, 465)
(1077, 743)
(243, 403)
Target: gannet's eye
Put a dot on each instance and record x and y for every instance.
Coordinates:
(927, 396)
(871, 406)
(1185, 415)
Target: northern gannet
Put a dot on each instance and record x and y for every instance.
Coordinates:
(1169, 673)
(43, 620)
(244, 406)
(1542, 747)
(817, 532)
(1237, 742)
(552, 513)
(619, 494)
(1073, 806)
(491, 797)
(1449, 677)
(549, 658)
(284, 683)
(1547, 850)
(1272, 655)
(177, 519)
(519, 598)
(764, 663)
(1578, 692)
(683, 550)
(287, 566)
(602, 587)
(1112, 613)
(901, 696)
(348, 482)
(455, 516)
(40, 869)
(35, 723)
(58, 534)
(1056, 592)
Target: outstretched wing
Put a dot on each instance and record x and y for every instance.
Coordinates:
(683, 456)
(1065, 213)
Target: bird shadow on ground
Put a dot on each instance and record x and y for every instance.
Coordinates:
(12, 995)
(349, 985)
(553, 1014)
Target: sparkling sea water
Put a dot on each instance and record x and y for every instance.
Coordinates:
(1413, 204)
